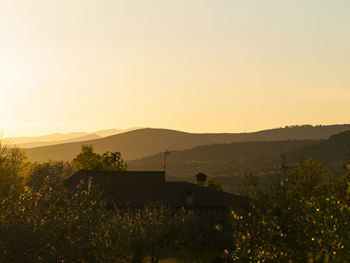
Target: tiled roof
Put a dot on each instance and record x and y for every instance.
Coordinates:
(174, 195)
(140, 188)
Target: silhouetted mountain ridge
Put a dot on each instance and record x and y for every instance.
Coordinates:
(334, 149)
(229, 162)
(60, 138)
(145, 142)
(219, 159)
(47, 143)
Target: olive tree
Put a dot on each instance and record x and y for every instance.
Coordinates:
(304, 219)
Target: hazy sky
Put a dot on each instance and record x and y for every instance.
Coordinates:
(201, 66)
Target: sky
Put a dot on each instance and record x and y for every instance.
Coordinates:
(191, 65)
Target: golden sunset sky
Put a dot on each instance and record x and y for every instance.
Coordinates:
(192, 65)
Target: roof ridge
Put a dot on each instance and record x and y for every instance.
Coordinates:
(130, 190)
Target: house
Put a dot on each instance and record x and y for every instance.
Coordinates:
(136, 189)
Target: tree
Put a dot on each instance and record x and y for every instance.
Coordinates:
(211, 183)
(13, 165)
(55, 171)
(305, 219)
(250, 183)
(50, 225)
(146, 232)
(113, 161)
(46, 222)
(87, 159)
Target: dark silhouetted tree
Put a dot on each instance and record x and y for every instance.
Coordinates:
(87, 159)
(211, 183)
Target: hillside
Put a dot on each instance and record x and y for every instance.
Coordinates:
(229, 162)
(60, 138)
(47, 143)
(220, 159)
(46, 138)
(335, 149)
(145, 142)
(304, 132)
(110, 132)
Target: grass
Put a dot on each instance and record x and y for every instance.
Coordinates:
(193, 256)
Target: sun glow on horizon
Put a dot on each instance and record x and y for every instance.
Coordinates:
(199, 66)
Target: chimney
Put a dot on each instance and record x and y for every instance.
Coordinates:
(201, 179)
(189, 197)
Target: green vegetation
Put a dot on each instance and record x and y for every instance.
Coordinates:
(211, 183)
(42, 221)
(54, 171)
(208, 255)
(87, 159)
(13, 165)
(51, 225)
(303, 218)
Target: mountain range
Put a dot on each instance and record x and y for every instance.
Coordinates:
(228, 163)
(60, 138)
(140, 143)
(228, 159)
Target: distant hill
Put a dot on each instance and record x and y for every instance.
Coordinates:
(145, 142)
(333, 150)
(46, 138)
(110, 132)
(229, 162)
(220, 159)
(59, 138)
(303, 132)
(239, 155)
(47, 143)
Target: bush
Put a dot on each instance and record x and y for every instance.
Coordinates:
(305, 218)
(51, 224)
(13, 165)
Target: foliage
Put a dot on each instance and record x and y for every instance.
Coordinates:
(87, 159)
(53, 225)
(43, 221)
(13, 165)
(305, 218)
(211, 183)
(49, 225)
(147, 231)
(55, 170)
(250, 183)
(113, 161)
